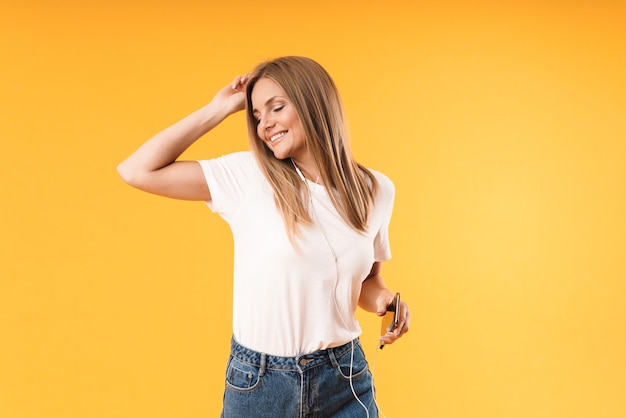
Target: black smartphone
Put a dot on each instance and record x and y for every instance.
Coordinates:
(391, 318)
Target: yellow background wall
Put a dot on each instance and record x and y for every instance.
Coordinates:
(501, 123)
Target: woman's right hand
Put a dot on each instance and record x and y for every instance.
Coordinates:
(232, 98)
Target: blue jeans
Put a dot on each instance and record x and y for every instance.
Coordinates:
(315, 385)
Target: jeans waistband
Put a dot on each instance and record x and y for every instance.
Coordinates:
(298, 363)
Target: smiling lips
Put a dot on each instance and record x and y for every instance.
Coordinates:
(277, 135)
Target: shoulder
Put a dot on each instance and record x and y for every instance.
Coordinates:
(236, 160)
(385, 184)
(243, 158)
(236, 166)
(384, 199)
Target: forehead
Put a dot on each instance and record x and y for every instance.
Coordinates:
(264, 90)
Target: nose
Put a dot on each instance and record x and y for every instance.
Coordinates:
(266, 123)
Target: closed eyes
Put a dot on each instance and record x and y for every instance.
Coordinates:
(275, 110)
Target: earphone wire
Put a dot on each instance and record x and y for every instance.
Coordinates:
(334, 255)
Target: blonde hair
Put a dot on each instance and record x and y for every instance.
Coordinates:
(350, 186)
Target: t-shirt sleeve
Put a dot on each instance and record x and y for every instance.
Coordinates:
(229, 178)
(382, 248)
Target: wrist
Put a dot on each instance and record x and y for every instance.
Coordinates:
(385, 299)
(211, 115)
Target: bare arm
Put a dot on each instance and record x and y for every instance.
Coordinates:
(375, 297)
(154, 168)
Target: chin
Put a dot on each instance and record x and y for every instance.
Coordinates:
(281, 155)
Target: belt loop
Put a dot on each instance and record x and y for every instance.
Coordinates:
(263, 363)
(333, 359)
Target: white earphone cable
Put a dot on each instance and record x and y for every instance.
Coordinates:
(334, 255)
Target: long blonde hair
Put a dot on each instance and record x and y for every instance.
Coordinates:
(350, 186)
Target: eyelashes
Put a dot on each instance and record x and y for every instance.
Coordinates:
(275, 110)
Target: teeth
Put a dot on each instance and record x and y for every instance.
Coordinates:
(278, 135)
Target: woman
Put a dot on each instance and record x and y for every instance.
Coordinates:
(310, 233)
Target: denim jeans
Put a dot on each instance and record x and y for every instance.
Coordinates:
(315, 385)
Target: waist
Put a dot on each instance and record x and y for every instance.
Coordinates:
(299, 362)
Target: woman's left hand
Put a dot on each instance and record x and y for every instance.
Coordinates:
(404, 319)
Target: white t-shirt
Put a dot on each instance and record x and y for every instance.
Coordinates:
(289, 301)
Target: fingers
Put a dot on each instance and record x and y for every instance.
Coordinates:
(239, 83)
(401, 329)
(405, 319)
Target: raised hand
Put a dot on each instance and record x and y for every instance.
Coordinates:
(232, 98)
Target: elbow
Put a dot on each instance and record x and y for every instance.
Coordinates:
(136, 177)
(127, 173)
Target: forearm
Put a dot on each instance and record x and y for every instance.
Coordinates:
(166, 146)
(375, 296)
